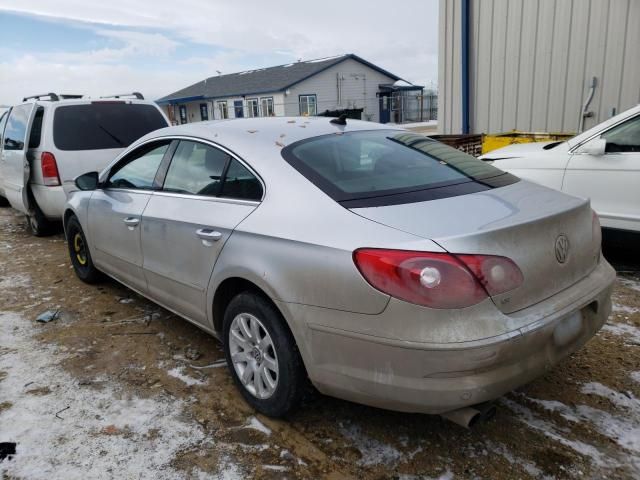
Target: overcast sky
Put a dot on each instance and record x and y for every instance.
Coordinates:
(159, 46)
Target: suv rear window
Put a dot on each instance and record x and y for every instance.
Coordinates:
(388, 167)
(103, 125)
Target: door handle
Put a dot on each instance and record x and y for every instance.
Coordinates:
(131, 222)
(208, 234)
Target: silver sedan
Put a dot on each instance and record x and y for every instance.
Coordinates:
(383, 267)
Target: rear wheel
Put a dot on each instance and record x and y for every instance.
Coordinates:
(79, 253)
(262, 355)
(38, 223)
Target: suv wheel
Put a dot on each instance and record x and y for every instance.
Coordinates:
(262, 355)
(38, 223)
(79, 253)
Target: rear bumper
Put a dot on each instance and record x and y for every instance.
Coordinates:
(51, 200)
(439, 377)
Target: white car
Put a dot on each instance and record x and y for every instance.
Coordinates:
(602, 164)
(50, 139)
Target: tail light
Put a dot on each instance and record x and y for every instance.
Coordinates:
(437, 280)
(50, 176)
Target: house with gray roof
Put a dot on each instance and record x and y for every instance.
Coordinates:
(312, 87)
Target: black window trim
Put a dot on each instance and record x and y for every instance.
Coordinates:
(393, 196)
(164, 168)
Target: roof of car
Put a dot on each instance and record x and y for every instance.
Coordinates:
(259, 141)
(264, 131)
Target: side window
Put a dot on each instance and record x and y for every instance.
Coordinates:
(624, 137)
(36, 129)
(139, 168)
(16, 130)
(196, 169)
(241, 183)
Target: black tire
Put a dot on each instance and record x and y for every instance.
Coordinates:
(4, 202)
(292, 378)
(79, 253)
(38, 223)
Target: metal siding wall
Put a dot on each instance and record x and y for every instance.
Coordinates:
(532, 62)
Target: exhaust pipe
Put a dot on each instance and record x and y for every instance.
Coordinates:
(467, 417)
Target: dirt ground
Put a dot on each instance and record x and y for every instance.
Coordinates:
(109, 390)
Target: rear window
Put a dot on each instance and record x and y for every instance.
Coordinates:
(103, 125)
(387, 167)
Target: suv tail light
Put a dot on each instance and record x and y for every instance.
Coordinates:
(50, 176)
(437, 280)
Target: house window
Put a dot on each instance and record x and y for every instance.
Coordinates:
(308, 104)
(204, 112)
(183, 114)
(267, 106)
(253, 109)
(222, 109)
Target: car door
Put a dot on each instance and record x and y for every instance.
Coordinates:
(611, 180)
(3, 122)
(205, 195)
(14, 165)
(115, 213)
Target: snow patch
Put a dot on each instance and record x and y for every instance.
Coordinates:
(15, 281)
(374, 452)
(95, 430)
(623, 330)
(256, 424)
(550, 430)
(178, 373)
(635, 376)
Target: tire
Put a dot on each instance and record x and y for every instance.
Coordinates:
(4, 202)
(258, 357)
(38, 223)
(79, 253)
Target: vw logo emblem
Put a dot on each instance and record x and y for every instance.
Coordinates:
(562, 248)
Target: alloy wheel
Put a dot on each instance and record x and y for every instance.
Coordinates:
(253, 355)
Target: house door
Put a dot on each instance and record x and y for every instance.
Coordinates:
(183, 114)
(385, 108)
(237, 107)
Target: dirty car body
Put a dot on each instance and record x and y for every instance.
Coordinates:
(411, 276)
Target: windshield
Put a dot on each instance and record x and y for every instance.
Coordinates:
(102, 125)
(385, 167)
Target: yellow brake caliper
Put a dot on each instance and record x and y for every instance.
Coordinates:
(78, 246)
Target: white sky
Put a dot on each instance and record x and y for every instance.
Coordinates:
(160, 46)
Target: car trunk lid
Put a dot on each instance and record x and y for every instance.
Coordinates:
(548, 234)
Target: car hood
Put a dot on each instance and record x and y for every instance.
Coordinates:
(519, 150)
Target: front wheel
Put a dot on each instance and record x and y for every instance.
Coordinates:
(262, 355)
(79, 253)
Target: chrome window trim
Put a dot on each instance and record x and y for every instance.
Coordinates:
(601, 132)
(190, 196)
(211, 143)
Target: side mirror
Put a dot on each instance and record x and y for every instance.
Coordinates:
(88, 181)
(596, 147)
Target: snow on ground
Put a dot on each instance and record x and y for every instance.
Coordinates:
(178, 373)
(552, 431)
(626, 330)
(374, 452)
(67, 431)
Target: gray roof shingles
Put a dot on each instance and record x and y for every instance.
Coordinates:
(262, 80)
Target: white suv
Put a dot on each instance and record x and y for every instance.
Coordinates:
(50, 139)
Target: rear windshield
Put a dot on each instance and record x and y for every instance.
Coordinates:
(387, 167)
(103, 125)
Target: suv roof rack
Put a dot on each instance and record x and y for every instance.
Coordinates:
(54, 97)
(137, 95)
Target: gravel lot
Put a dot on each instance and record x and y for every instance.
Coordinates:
(112, 389)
